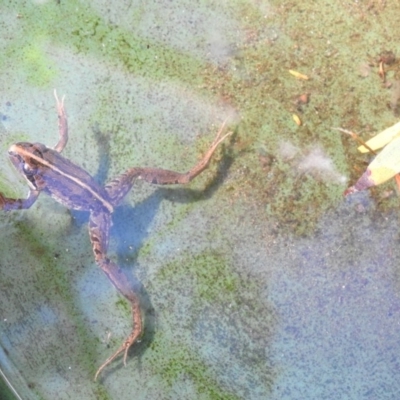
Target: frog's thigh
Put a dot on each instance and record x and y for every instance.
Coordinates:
(99, 231)
(99, 226)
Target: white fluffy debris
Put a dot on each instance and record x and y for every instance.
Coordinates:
(313, 161)
(287, 150)
(317, 164)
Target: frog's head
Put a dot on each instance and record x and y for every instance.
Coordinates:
(27, 158)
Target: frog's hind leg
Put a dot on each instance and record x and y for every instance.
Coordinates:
(99, 225)
(120, 186)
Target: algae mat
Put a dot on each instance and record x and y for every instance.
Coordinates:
(257, 281)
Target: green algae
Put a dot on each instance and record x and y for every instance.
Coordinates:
(213, 279)
(174, 360)
(6, 393)
(55, 284)
(219, 291)
(101, 393)
(36, 65)
(259, 85)
(257, 77)
(123, 305)
(289, 192)
(77, 26)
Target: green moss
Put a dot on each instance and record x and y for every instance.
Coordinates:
(36, 65)
(5, 392)
(101, 393)
(214, 280)
(6, 187)
(173, 360)
(208, 273)
(123, 305)
(75, 25)
(55, 284)
(207, 285)
(266, 97)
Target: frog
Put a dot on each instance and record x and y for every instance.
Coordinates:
(46, 171)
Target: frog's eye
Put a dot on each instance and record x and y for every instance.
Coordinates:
(28, 170)
(38, 153)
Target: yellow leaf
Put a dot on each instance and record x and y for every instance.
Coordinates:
(298, 74)
(386, 164)
(382, 139)
(297, 119)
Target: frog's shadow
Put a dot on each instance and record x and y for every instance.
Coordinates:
(130, 229)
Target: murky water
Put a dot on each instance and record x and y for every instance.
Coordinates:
(259, 280)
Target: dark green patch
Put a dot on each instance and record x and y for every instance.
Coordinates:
(123, 305)
(205, 288)
(101, 393)
(37, 67)
(175, 360)
(261, 88)
(5, 392)
(213, 280)
(77, 26)
(51, 286)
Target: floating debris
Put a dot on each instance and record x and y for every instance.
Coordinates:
(385, 165)
(381, 139)
(297, 119)
(298, 75)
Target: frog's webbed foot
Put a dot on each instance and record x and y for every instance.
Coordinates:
(62, 124)
(165, 177)
(129, 341)
(99, 225)
(203, 164)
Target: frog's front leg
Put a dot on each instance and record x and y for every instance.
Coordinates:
(8, 204)
(62, 124)
(99, 226)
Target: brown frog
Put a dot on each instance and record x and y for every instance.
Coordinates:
(47, 171)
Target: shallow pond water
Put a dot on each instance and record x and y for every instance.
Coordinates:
(259, 280)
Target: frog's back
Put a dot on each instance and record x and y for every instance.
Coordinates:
(69, 184)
